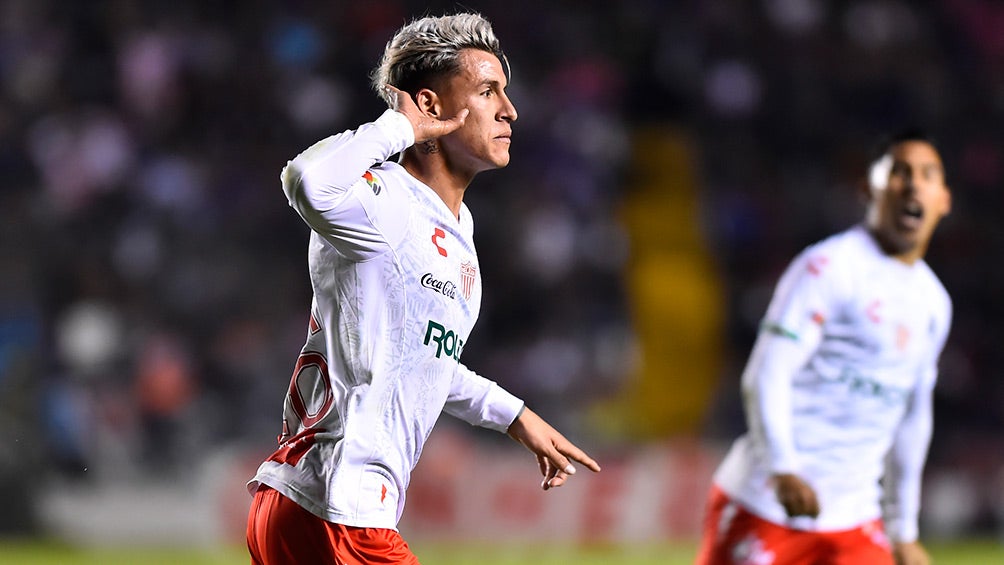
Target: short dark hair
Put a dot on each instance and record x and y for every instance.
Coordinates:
(887, 142)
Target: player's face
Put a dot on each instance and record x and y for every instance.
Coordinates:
(483, 141)
(909, 198)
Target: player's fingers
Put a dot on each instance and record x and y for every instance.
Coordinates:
(453, 124)
(559, 479)
(806, 503)
(800, 503)
(549, 471)
(573, 452)
(792, 501)
(395, 96)
(559, 461)
(542, 464)
(812, 505)
(789, 504)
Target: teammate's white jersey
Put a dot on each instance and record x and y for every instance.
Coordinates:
(838, 387)
(397, 289)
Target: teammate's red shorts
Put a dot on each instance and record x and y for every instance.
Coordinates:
(734, 536)
(281, 532)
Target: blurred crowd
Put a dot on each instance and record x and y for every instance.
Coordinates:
(153, 285)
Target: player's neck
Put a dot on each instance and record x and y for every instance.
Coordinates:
(907, 256)
(433, 172)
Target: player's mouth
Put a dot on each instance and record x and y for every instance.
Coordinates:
(910, 215)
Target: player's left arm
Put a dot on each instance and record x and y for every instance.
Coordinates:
(906, 463)
(481, 402)
(905, 468)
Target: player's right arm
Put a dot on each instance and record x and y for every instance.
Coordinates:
(326, 186)
(789, 335)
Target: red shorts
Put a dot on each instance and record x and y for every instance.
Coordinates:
(734, 536)
(281, 532)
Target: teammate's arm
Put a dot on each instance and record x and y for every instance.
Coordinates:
(767, 389)
(905, 469)
(790, 334)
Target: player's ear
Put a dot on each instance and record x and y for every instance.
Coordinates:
(863, 190)
(428, 102)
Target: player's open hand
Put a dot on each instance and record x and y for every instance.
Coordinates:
(796, 495)
(426, 127)
(554, 453)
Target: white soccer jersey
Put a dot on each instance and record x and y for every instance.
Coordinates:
(397, 289)
(838, 387)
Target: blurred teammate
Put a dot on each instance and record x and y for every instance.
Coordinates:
(838, 389)
(397, 289)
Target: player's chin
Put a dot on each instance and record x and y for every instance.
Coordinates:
(500, 159)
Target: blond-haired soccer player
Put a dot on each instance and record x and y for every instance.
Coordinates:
(397, 289)
(838, 388)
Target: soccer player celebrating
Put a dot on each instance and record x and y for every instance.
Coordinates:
(397, 289)
(838, 388)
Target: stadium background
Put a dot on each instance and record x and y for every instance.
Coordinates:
(669, 159)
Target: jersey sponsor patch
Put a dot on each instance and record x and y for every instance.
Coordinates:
(447, 341)
(446, 288)
(371, 180)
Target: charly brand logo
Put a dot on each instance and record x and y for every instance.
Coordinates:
(436, 236)
(447, 341)
(371, 180)
(446, 288)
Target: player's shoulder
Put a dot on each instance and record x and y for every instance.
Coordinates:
(935, 288)
(832, 253)
(388, 170)
(848, 243)
(389, 176)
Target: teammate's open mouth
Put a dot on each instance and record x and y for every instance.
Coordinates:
(911, 215)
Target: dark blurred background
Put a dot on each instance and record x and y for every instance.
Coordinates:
(668, 160)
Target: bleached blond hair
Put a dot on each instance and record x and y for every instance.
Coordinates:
(429, 48)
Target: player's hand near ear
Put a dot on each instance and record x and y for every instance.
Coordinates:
(426, 126)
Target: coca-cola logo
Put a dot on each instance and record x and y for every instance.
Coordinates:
(446, 288)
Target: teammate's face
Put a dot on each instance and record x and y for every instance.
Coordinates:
(483, 141)
(908, 198)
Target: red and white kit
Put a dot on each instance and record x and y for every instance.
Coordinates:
(838, 388)
(388, 261)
